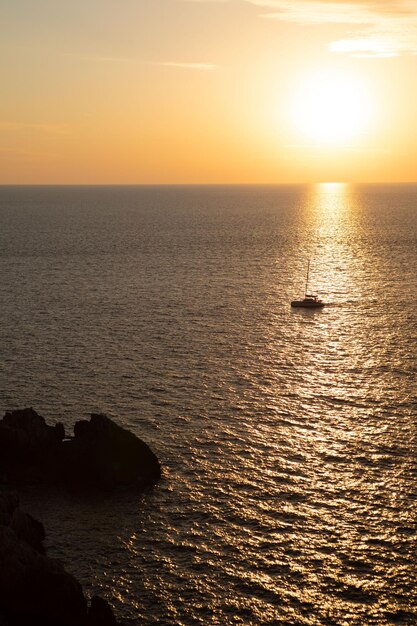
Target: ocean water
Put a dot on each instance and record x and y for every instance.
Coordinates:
(287, 437)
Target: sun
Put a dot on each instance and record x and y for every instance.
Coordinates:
(332, 108)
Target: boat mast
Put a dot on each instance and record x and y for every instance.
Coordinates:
(308, 271)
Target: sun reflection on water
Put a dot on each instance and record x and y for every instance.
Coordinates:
(340, 401)
(287, 437)
(333, 245)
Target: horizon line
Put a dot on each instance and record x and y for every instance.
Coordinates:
(215, 184)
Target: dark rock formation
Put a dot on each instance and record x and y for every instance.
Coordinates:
(25, 527)
(28, 446)
(101, 455)
(100, 613)
(34, 589)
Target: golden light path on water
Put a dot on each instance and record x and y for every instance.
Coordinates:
(350, 481)
(287, 437)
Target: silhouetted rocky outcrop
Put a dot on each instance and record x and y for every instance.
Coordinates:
(29, 448)
(100, 613)
(100, 455)
(34, 589)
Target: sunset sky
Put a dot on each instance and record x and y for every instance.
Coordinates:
(208, 91)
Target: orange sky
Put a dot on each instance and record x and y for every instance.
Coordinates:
(207, 91)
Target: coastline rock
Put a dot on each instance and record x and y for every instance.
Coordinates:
(25, 527)
(100, 613)
(35, 590)
(105, 455)
(28, 529)
(28, 446)
(100, 455)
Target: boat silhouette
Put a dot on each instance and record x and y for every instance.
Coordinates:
(310, 301)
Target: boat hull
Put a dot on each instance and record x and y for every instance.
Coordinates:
(307, 304)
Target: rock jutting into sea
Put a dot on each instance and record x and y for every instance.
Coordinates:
(35, 590)
(100, 455)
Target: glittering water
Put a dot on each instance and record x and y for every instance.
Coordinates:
(288, 437)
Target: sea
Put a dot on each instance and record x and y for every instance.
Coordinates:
(287, 437)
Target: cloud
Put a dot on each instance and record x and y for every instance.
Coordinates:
(180, 64)
(314, 12)
(378, 27)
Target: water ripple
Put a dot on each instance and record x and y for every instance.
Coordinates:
(288, 438)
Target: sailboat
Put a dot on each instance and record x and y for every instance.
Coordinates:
(309, 301)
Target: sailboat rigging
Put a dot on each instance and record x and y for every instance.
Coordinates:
(309, 301)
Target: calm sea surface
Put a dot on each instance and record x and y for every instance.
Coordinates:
(288, 437)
